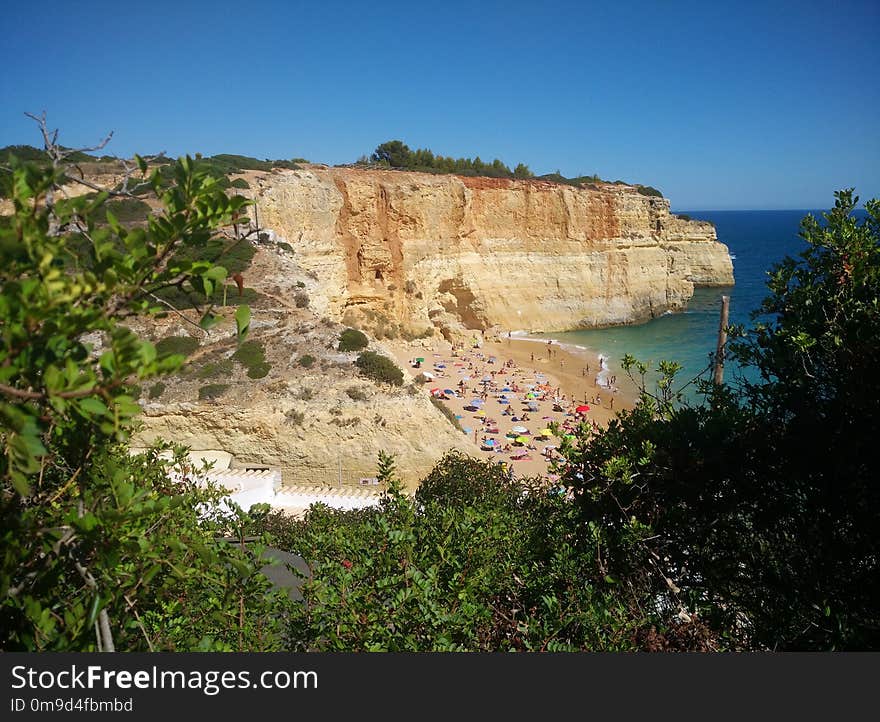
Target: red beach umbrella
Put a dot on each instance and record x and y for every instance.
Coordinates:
(583, 408)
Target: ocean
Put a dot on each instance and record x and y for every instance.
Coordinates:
(756, 239)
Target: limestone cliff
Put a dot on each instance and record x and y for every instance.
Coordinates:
(316, 421)
(415, 250)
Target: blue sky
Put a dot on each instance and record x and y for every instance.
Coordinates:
(720, 105)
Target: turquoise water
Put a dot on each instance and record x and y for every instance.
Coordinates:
(756, 239)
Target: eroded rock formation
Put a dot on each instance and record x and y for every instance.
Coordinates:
(420, 250)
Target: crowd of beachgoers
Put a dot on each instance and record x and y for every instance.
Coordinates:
(518, 398)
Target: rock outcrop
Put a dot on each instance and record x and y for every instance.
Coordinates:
(416, 251)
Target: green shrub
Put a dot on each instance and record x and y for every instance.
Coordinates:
(126, 210)
(352, 340)
(301, 299)
(300, 284)
(356, 394)
(183, 345)
(649, 191)
(286, 247)
(212, 391)
(240, 183)
(216, 369)
(379, 368)
(252, 356)
(156, 390)
(307, 361)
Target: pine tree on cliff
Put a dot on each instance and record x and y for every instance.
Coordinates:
(395, 153)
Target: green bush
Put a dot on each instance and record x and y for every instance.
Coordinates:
(301, 299)
(212, 391)
(476, 562)
(356, 394)
(156, 390)
(649, 191)
(183, 345)
(379, 368)
(126, 211)
(352, 340)
(215, 369)
(252, 356)
(240, 183)
(307, 361)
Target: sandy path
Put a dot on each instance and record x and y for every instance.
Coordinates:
(504, 378)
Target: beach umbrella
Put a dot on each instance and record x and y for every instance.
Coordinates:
(428, 375)
(582, 409)
(521, 440)
(507, 388)
(421, 359)
(545, 432)
(519, 429)
(476, 402)
(533, 406)
(503, 402)
(449, 391)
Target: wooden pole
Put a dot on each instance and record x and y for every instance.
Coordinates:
(718, 377)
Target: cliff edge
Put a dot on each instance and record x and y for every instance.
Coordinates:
(409, 251)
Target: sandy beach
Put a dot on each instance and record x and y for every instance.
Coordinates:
(506, 393)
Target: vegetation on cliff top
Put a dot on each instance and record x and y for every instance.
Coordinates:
(219, 167)
(396, 154)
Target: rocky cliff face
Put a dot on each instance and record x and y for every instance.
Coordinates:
(314, 423)
(412, 251)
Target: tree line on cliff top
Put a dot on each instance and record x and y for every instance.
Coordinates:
(748, 521)
(396, 154)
